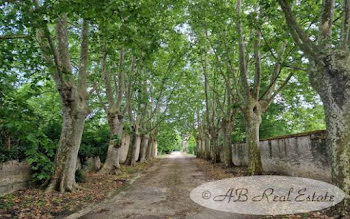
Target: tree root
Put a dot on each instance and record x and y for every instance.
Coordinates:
(113, 170)
(76, 186)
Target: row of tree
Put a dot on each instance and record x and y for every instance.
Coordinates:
(120, 59)
(249, 51)
(217, 70)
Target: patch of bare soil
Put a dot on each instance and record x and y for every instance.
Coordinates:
(35, 203)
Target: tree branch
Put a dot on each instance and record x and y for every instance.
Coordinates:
(276, 72)
(13, 36)
(107, 80)
(257, 60)
(326, 23)
(84, 55)
(120, 88)
(63, 51)
(299, 36)
(345, 24)
(242, 58)
(280, 88)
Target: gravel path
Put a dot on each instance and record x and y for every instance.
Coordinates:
(163, 192)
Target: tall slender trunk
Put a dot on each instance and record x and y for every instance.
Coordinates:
(116, 124)
(253, 119)
(143, 147)
(214, 147)
(227, 128)
(66, 156)
(207, 145)
(198, 146)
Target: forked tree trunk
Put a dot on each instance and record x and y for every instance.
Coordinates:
(111, 165)
(74, 102)
(74, 115)
(227, 128)
(143, 147)
(253, 119)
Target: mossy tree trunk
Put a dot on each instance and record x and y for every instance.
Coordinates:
(252, 115)
(227, 126)
(330, 76)
(73, 97)
(111, 165)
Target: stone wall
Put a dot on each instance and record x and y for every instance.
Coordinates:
(302, 154)
(14, 175)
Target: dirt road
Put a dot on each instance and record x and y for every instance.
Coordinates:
(163, 192)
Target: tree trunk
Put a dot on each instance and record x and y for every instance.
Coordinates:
(143, 147)
(227, 128)
(67, 153)
(149, 148)
(253, 120)
(332, 82)
(198, 147)
(8, 142)
(73, 98)
(207, 145)
(154, 149)
(135, 143)
(116, 123)
(131, 151)
(214, 148)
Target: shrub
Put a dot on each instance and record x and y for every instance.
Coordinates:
(40, 157)
(79, 176)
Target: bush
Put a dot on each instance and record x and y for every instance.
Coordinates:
(94, 142)
(41, 157)
(16, 153)
(168, 140)
(191, 145)
(79, 176)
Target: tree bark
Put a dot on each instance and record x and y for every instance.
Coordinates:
(207, 145)
(155, 149)
(111, 165)
(143, 147)
(66, 156)
(136, 139)
(73, 97)
(330, 77)
(149, 148)
(332, 82)
(198, 147)
(252, 115)
(214, 147)
(227, 129)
